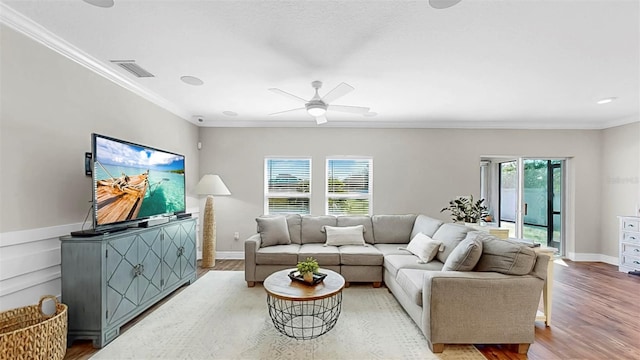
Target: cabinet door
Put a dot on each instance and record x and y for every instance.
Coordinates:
(150, 274)
(188, 244)
(122, 285)
(171, 244)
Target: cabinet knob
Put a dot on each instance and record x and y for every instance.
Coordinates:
(632, 237)
(636, 250)
(138, 270)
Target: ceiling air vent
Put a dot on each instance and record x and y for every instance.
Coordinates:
(132, 67)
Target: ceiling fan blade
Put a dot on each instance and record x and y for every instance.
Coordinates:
(291, 96)
(337, 92)
(286, 111)
(349, 109)
(321, 119)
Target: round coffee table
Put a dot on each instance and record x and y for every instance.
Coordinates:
(302, 311)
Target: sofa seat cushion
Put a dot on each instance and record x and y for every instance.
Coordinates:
(451, 235)
(360, 255)
(392, 249)
(504, 256)
(393, 263)
(326, 255)
(278, 255)
(392, 229)
(411, 281)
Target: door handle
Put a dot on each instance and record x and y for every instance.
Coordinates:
(525, 208)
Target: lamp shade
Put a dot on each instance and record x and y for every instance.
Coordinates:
(212, 185)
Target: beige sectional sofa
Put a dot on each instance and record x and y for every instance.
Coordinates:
(457, 284)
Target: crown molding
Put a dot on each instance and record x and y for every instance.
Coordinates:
(36, 32)
(407, 124)
(621, 121)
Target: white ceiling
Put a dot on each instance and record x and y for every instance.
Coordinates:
(478, 64)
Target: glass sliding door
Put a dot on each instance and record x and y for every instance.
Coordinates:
(508, 192)
(538, 193)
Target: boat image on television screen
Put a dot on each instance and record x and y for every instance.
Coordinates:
(135, 182)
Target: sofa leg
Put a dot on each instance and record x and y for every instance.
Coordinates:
(347, 284)
(519, 348)
(251, 283)
(377, 284)
(436, 348)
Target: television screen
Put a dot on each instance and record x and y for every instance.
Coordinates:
(133, 182)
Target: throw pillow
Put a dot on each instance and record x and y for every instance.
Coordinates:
(344, 235)
(273, 231)
(465, 256)
(505, 256)
(424, 247)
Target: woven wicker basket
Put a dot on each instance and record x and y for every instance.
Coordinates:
(29, 333)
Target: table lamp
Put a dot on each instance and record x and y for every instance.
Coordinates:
(210, 185)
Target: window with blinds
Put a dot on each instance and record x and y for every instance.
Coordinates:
(287, 185)
(349, 186)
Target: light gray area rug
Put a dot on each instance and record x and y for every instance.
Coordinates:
(219, 317)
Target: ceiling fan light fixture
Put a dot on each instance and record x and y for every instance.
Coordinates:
(443, 4)
(100, 3)
(606, 100)
(316, 110)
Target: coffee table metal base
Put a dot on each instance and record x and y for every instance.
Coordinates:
(304, 320)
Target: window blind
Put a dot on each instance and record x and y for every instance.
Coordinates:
(287, 185)
(349, 189)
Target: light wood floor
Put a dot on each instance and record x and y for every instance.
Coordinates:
(596, 315)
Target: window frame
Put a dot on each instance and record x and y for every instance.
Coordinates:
(348, 195)
(285, 195)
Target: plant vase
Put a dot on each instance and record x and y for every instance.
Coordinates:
(308, 277)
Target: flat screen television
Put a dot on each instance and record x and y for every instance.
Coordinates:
(133, 182)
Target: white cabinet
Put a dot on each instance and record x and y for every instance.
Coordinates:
(629, 257)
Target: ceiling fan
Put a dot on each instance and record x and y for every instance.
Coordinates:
(318, 106)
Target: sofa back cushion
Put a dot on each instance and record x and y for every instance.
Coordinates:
(313, 228)
(451, 235)
(426, 225)
(505, 256)
(294, 222)
(392, 229)
(273, 230)
(466, 255)
(354, 220)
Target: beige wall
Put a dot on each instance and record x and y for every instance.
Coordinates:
(620, 181)
(415, 170)
(49, 107)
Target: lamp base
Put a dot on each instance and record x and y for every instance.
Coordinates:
(209, 235)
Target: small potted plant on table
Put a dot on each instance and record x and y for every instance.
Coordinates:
(307, 268)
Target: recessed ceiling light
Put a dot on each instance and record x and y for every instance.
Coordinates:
(606, 100)
(100, 3)
(443, 4)
(370, 114)
(192, 80)
(230, 113)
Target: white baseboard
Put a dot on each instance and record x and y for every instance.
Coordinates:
(593, 258)
(226, 255)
